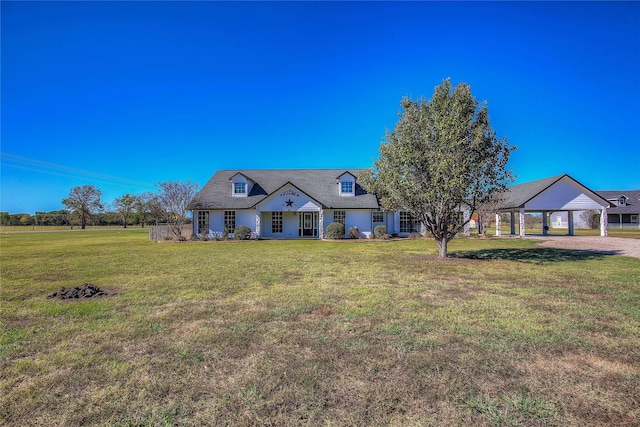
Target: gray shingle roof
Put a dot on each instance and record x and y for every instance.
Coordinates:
(633, 201)
(319, 184)
(518, 195)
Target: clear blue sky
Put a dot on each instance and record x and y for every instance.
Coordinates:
(123, 95)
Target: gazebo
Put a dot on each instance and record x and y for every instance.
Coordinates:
(555, 194)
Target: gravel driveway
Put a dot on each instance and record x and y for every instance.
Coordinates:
(608, 245)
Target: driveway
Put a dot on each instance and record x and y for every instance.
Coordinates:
(607, 245)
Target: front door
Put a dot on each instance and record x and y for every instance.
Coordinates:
(307, 224)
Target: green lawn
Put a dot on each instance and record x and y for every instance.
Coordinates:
(316, 333)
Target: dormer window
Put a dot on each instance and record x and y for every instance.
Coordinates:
(346, 184)
(240, 185)
(622, 201)
(239, 188)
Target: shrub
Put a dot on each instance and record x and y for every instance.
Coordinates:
(225, 233)
(380, 231)
(242, 233)
(354, 233)
(335, 230)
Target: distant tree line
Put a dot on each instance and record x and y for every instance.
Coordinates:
(84, 207)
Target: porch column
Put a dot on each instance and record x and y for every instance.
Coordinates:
(498, 224)
(544, 223)
(396, 222)
(513, 222)
(321, 224)
(258, 213)
(521, 222)
(570, 222)
(604, 223)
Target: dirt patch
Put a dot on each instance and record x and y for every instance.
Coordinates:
(85, 291)
(605, 245)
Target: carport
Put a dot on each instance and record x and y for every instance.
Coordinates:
(555, 194)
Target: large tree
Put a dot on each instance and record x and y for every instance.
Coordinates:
(125, 206)
(174, 198)
(144, 207)
(442, 158)
(83, 201)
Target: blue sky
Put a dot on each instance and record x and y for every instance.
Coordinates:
(122, 95)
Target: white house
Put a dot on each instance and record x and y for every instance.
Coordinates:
(293, 203)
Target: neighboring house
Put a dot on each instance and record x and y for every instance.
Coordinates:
(296, 203)
(623, 213)
(560, 220)
(625, 209)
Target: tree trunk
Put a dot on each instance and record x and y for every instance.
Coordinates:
(442, 247)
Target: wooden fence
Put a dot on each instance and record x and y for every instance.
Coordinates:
(163, 232)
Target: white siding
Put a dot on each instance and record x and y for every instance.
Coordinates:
(216, 221)
(247, 218)
(360, 218)
(289, 225)
(299, 201)
(566, 194)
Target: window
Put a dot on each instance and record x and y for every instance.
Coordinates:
(634, 219)
(230, 221)
(340, 216)
(377, 216)
(239, 188)
(346, 187)
(276, 222)
(202, 222)
(622, 201)
(408, 224)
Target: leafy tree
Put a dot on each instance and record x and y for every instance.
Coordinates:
(174, 198)
(144, 207)
(83, 201)
(4, 218)
(125, 206)
(26, 219)
(443, 157)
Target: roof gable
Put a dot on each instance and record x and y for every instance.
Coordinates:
(560, 192)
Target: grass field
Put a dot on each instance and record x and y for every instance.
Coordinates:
(316, 333)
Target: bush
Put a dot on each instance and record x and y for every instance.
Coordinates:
(354, 233)
(242, 233)
(380, 231)
(335, 230)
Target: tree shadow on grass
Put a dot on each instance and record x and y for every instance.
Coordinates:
(533, 255)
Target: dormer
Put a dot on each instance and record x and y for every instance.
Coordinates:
(240, 185)
(622, 201)
(346, 185)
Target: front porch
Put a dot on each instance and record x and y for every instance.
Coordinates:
(289, 224)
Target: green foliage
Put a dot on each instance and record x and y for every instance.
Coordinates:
(125, 206)
(380, 231)
(442, 157)
(335, 231)
(83, 201)
(242, 233)
(354, 233)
